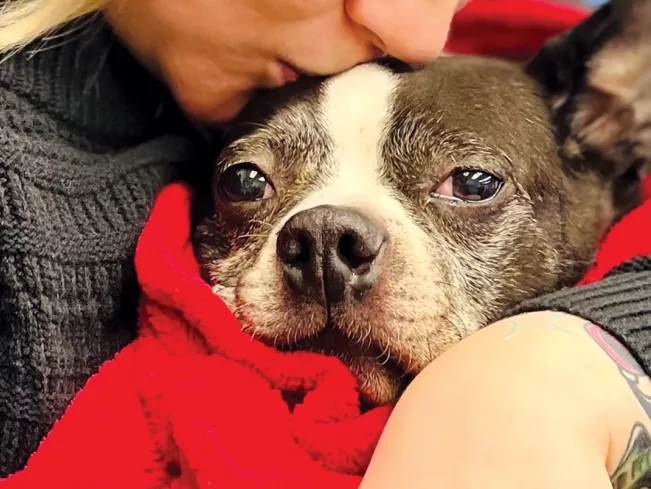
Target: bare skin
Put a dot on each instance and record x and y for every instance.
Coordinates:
(563, 404)
(213, 54)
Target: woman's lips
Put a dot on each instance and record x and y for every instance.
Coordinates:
(282, 73)
(289, 74)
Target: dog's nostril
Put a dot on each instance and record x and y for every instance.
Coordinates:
(298, 251)
(356, 253)
(294, 248)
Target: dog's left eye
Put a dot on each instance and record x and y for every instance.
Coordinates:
(469, 185)
(245, 182)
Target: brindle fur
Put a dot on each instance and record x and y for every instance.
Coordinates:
(569, 134)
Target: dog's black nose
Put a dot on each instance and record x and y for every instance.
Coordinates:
(329, 253)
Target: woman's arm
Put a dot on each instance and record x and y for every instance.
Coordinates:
(543, 400)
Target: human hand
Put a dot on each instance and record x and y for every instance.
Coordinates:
(543, 400)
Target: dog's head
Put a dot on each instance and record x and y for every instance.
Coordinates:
(384, 214)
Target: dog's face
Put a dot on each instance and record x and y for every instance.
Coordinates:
(384, 214)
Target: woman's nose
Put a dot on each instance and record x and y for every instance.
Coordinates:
(412, 30)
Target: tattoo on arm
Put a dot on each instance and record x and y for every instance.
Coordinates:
(550, 323)
(627, 365)
(634, 469)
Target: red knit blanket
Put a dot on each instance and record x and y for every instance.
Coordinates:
(196, 403)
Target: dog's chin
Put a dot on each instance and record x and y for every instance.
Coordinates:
(380, 379)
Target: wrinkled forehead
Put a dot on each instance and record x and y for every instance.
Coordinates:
(317, 116)
(375, 119)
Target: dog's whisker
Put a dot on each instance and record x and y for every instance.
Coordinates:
(457, 329)
(387, 359)
(401, 354)
(253, 236)
(262, 223)
(382, 353)
(366, 337)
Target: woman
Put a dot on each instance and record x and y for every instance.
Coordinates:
(89, 136)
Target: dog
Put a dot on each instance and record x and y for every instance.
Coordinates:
(384, 214)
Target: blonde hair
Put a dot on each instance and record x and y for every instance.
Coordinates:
(24, 21)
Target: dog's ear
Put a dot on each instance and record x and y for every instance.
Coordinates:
(597, 80)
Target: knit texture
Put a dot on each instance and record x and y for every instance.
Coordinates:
(87, 139)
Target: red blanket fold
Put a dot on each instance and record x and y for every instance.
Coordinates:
(196, 403)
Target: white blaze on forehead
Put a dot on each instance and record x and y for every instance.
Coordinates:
(356, 112)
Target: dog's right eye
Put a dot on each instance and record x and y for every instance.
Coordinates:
(469, 185)
(245, 182)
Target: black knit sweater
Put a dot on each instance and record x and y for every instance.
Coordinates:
(87, 138)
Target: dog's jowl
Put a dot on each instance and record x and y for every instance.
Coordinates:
(386, 213)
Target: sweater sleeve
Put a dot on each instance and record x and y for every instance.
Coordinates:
(620, 303)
